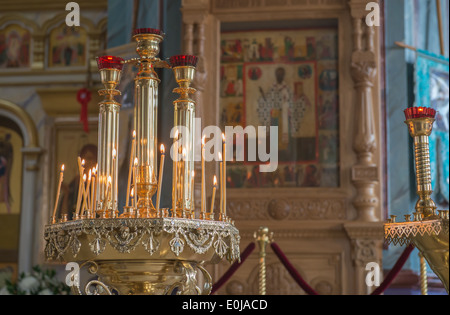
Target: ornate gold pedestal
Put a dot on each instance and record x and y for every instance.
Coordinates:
(430, 237)
(427, 230)
(143, 256)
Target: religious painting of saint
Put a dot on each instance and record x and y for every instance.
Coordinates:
(285, 100)
(287, 79)
(10, 171)
(15, 43)
(67, 47)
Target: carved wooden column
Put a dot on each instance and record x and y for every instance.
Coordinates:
(363, 71)
(367, 246)
(366, 232)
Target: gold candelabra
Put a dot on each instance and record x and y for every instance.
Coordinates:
(144, 249)
(426, 229)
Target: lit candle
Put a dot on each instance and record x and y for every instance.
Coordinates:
(93, 191)
(61, 178)
(130, 170)
(108, 189)
(203, 201)
(80, 185)
(114, 179)
(192, 193)
(136, 161)
(97, 183)
(83, 192)
(175, 176)
(224, 175)
(213, 194)
(132, 197)
(160, 177)
(183, 181)
(87, 191)
(221, 184)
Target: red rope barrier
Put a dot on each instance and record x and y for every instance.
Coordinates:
(292, 271)
(250, 248)
(301, 282)
(394, 271)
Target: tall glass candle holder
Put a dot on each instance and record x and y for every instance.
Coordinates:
(146, 118)
(184, 119)
(110, 68)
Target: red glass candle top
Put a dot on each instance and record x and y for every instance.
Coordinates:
(110, 62)
(183, 60)
(419, 112)
(147, 31)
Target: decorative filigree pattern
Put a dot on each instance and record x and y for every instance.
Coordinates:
(126, 235)
(402, 233)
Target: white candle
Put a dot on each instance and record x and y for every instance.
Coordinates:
(93, 184)
(61, 178)
(130, 170)
(108, 189)
(224, 175)
(192, 193)
(175, 175)
(114, 179)
(203, 199)
(83, 192)
(87, 191)
(184, 183)
(136, 161)
(160, 177)
(213, 194)
(221, 184)
(80, 185)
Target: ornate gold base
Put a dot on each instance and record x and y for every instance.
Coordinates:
(430, 237)
(143, 256)
(149, 277)
(434, 249)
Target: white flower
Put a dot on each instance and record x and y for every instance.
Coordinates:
(28, 284)
(4, 291)
(46, 292)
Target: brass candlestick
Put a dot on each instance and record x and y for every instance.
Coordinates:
(110, 68)
(144, 251)
(146, 118)
(420, 125)
(429, 232)
(184, 116)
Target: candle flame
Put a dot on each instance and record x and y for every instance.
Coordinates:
(215, 180)
(134, 133)
(162, 149)
(135, 161)
(84, 177)
(90, 174)
(203, 140)
(62, 168)
(83, 162)
(223, 137)
(132, 192)
(109, 180)
(114, 153)
(193, 173)
(220, 156)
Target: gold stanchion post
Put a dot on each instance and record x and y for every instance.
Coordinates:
(263, 237)
(423, 275)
